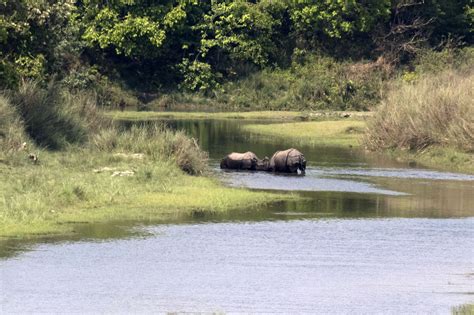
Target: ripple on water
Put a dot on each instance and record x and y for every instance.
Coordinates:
(316, 266)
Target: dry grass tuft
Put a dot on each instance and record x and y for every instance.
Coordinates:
(434, 110)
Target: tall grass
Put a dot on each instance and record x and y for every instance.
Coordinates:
(436, 109)
(157, 143)
(12, 133)
(47, 118)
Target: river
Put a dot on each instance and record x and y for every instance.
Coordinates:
(372, 236)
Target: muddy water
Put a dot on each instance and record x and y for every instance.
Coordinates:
(371, 236)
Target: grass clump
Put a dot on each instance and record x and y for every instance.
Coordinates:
(465, 309)
(54, 118)
(12, 135)
(155, 142)
(334, 133)
(434, 110)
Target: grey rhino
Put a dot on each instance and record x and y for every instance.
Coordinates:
(240, 161)
(288, 161)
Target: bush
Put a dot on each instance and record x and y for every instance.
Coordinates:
(107, 93)
(435, 109)
(111, 95)
(432, 62)
(315, 83)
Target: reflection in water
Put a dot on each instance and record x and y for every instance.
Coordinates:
(343, 248)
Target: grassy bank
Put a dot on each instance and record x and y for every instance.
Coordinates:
(334, 133)
(90, 186)
(255, 115)
(430, 120)
(437, 157)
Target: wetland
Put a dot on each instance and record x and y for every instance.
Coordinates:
(368, 234)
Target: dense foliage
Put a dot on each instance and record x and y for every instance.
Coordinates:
(198, 45)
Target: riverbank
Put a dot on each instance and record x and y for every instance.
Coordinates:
(82, 186)
(253, 115)
(351, 133)
(334, 133)
(437, 157)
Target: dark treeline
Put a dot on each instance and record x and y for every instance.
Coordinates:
(198, 45)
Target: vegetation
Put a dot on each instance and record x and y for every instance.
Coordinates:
(85, 186)
(435, 110)
(63, 162)
(335, 133)
(428, 115)
(257, 115)
(200, 45)
(438, 157)
(314, 82)
(62, 62)
(12, 134)
(464, 309)
(143, 116)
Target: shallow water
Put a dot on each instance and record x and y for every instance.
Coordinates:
(371, 236)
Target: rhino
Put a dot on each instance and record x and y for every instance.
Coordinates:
(240, 161)
(287, 161)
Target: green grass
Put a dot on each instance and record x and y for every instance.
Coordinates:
(255, 115)
(443, 158)
(350, 133)
(337, 133)
(43, 199)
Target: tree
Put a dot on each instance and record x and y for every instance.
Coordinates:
(32, 37)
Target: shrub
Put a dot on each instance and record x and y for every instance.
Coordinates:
(435, 109)
(107, 93)
(187, 154)
(316, 82)
(432, 62)
(111, 95)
